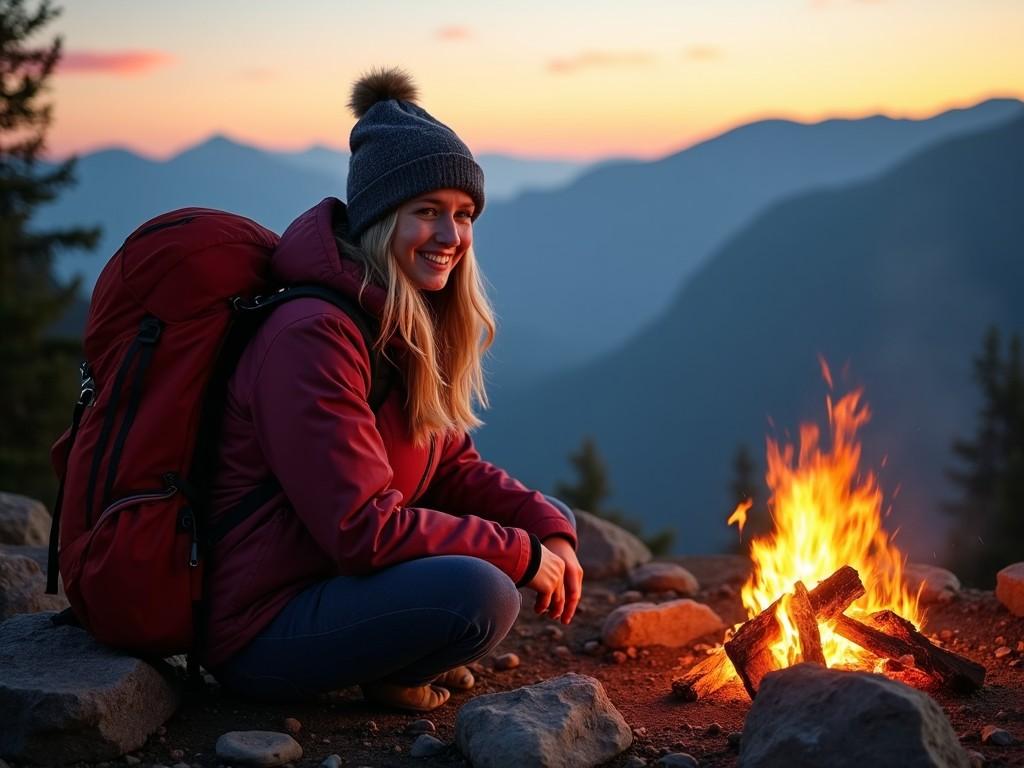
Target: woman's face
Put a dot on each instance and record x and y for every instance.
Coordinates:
(432, 234)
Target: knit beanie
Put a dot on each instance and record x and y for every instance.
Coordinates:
(400, 151)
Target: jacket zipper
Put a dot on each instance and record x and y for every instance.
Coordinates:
(163, 225)
(120, 504)
(426, 471)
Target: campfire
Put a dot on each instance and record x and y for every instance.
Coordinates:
(827, 584)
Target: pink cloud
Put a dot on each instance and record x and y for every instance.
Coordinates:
(599, 60)
(454, 33)
(702, 53)
(119, 63)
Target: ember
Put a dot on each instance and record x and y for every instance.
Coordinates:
(828, 535)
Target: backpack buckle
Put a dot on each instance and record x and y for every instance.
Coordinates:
(87, 389)
(149, 331)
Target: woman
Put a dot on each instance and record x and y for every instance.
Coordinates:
(391, 555)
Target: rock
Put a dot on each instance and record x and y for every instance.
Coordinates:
(662, 577)
(566, 722)
(292, 726)
(671, 624)
(997, 737)
(331, 761)
(593, 648)
(1010, 588)
(562, 652)
(264, 748)
(23, 521)
(23, 588)
(132, 760)
(554, 633)
(678, 760)
(808, 715)
(417, 727)
(713, 730)
(427, 746)
(506, 661)
(605, 549)
(734, 739)
(618, 657)
(937, 585)
(632, 596)
(634, 761)
(1002, 651)
(64, 697)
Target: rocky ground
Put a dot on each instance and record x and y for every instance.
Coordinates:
(638, 683)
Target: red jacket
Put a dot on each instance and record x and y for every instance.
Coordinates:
(358, 495)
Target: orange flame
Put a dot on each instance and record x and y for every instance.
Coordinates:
(739, 515)
(826, 516)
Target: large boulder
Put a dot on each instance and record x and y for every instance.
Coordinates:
(566, 722)
(663, 577)
(605, 549)
(807, 716)
(23, 520)
(23, 587)
(65, 698)
(673, 624)
(1010, 588)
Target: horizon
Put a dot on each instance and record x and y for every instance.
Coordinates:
(580, 82)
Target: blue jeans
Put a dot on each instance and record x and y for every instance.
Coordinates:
(405, 624)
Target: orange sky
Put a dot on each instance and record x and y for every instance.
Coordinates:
(570, 79)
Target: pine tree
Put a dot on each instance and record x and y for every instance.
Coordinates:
(591, 490)
(37, 373)
(988, 532)
(745, 487)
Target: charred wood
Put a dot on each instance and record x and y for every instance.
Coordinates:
(704, 678)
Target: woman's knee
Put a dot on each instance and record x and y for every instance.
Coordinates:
(490, 597)
(562, 507)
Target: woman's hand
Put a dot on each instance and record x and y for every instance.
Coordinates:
(572, 578)
(548, 583)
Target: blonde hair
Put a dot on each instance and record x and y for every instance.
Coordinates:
(446, 334)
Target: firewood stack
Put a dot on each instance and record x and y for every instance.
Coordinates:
(886, 635)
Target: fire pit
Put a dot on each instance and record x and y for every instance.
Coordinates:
(827, 534)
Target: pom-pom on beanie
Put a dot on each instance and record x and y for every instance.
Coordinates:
(400, 151)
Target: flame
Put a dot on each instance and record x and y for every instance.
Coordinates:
(739, 515)
(826, 515)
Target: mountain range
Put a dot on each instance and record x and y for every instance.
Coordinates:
(893, 279)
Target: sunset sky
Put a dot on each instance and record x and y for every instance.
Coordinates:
(575, 79)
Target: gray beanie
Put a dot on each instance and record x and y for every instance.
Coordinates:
(400, 151)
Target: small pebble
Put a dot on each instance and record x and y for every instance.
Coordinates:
(634, 761)
(553, 632)
(975, 759)
(618, 657)
(506, 661)
(132, 760)
(990, 734)
(398, 747)
(178, 755)
(427, 746)
(1020, 646)
(562, 652)
(371, 726)
(678, 760)
(161, 731)
(417, 727)
(632, 596)
(292, 726)
(476, 668)
(1002, 651)
(734, 739)
(946, 634)
(593, 648)
(639, 733)
(331, 761)
(713, 730)
(631, 652)
(1000, 640)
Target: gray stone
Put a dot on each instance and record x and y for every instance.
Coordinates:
(264, 748)
(427, 746)
(937, 585)
(662, 577)
(23, 520)
(64, 697)
(678, 760)
(634, 761)
(672, 624)
(605, 549)
(998, 737)
(23, 588)
(807, 715)
(1010, 588)
(566, 722)
(331, 761)
(417, 727)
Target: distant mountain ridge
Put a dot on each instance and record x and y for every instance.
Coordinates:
(578, 270)
(895, 278)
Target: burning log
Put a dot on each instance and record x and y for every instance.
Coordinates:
(801, 614)
(703, 678)
(750, 649)
(893, 637)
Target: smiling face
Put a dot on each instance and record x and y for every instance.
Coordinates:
(432, 234)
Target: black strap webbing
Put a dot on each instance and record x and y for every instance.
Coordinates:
(52, 571)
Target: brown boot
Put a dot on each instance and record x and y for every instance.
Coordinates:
(421, 698)
(459, 679)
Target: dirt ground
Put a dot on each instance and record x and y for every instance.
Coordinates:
(365, 735)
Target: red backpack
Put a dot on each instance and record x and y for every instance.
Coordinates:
(169, 317)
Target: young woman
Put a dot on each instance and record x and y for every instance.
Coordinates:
(391, 553)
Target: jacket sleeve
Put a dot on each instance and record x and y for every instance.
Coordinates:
(320, 439)
(465, 484)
